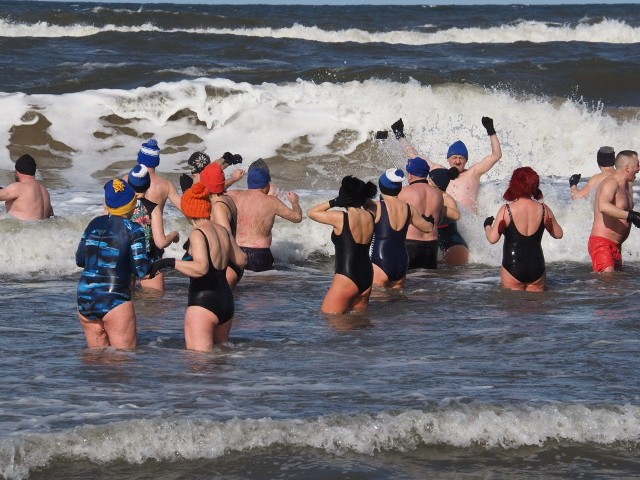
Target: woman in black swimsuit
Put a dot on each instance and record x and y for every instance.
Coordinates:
(522, 222)
(352, 234)
(207, 321)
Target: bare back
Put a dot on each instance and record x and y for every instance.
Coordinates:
(219, 243)
(427, 200)
(27, 199)
(160, 190)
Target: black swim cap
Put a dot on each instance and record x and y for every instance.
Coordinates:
(26, 165)
(606, 157)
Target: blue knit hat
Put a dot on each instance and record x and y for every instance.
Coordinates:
(458, 148)
(139, 178)
(417, 166)
(119, 196)
(258, 178)
(149, 154)
(390, 182)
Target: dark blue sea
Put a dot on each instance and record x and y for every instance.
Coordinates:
(451, 378)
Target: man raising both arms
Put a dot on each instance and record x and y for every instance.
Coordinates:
(613, 214)
(26, 198)
(257, 211)
(463, 189)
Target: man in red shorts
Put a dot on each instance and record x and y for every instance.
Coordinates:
(613, 214)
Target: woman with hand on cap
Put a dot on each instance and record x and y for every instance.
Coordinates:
(223, 211)
(210, 310)
(112, 250)
(393, 217)
(352, 234)
(150, 219)
(523, 221)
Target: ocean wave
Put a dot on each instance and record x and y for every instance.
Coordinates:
(606, 31)
(162, 439)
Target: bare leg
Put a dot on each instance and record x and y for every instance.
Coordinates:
(508, 281)
(340, 296)
(199, 326)
(380, 279)
(221, 333)
(362, 301)
(94, 332)
(456, 255)
(156, 283)
(120, 326)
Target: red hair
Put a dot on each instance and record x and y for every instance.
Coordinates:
(524, 183)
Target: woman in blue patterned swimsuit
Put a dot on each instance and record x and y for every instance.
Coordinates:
(111, 251)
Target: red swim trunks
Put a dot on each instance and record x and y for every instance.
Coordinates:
(604, 253)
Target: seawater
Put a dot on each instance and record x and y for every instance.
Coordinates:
(452, 377)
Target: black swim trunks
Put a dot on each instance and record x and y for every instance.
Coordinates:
(422, 254)
(260, 259)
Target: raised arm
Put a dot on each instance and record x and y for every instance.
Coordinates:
(174, 196)
(487, 163)
(321, 214)
(10, 192)
(293, 214)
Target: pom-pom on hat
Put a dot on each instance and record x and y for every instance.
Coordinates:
(198, 161)
(213, 178)
(119, 197)
(149, 154)
(26, 165)
(139, 178)
(195, 202)
(606, 157)
(258, 178)
(390, 182)
(417, 166)
(458, 148)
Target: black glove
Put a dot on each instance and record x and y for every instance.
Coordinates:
(186, 182)
(232, 158)
(634, 217)
(488, 221)
(398, 129)
(574, 179)
(429, 219)
(160, 264)
(382, 135)
(340, 201)
(488, 124)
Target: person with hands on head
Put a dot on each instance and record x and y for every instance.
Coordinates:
(150, 219)
(393, 218)
(606, 158)
(351, 235)
(198, 161)
(210, 309)
(223, 211)
(111, 251)
(523, 221)
(613, 214)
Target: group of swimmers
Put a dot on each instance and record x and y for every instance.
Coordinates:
(376, 241)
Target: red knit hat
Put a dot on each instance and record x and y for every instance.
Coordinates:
(213, 178)
(195, 202)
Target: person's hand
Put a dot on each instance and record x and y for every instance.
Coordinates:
(487, 123)
(160, 264)
(488, 221)
(341, 200)
(186, 182)
(237, 175)
(293, 198)
(634, 217)
(398, 129)
(429, 219)
(574, 179)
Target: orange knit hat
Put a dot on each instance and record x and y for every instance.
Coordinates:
(195, 202)
(213, 178)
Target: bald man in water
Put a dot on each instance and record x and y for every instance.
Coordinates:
(26, 198)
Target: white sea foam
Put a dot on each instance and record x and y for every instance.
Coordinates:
(317, 133)
(164, 439)
(606, 31)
